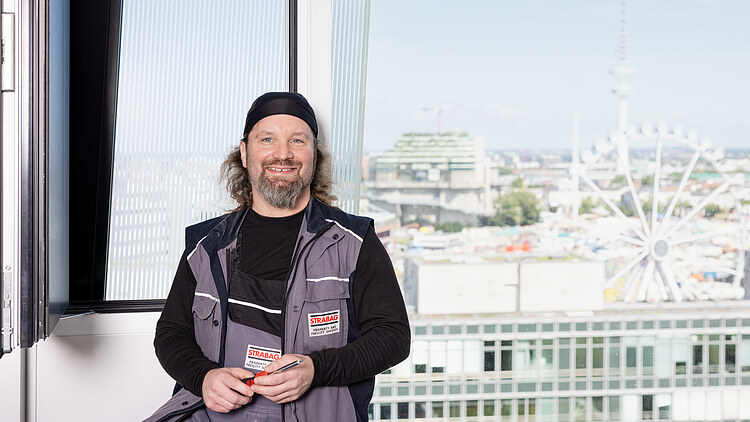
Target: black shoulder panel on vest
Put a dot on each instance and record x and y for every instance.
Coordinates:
(355, 223)
(196, 232)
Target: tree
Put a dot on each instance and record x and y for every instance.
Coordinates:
(517, 183)
(587, 204)
(618, 180)
(450, 227)
(516, 208)
(502, 171)
(647, 180)
(711, 210)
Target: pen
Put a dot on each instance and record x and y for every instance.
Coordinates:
(249, 381)
(287, 366)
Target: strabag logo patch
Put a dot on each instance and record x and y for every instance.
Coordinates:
(323, 323)
(258, 357)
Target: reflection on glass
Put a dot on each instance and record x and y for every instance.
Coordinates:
(713, 358)
(547, 363)
(526, 358)
(506, 364)
(745, 353)
(597, 361)
(472, 357)
(580, 410)
(454, 359)
(581, 363)
(729, 358)
(697, 358)
(546, 410)
(564, 364)
(647, 407)
(663, 403)
(614, 408)
(489, 360)
(403, 410)
(506, 409)
(472, 408)
(563, 407)
(664, 357)
(597, 408)
(532, 410)
(419, 410)
(614, 361)
(647, 363)
(437, 409)
(630, 360)
(680, 356)
(454, 409)
(385, 411)
(489, 408)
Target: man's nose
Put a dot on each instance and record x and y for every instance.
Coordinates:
(283, 151)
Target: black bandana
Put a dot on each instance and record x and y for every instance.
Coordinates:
(272, 103)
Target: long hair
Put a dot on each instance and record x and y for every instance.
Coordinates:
(237, 180)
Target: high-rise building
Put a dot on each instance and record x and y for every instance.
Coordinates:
(434, 177)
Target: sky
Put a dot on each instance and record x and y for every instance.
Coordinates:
(516, 72)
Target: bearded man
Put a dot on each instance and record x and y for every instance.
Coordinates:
(283, 278)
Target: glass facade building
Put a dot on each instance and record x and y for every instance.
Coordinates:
(675, 362)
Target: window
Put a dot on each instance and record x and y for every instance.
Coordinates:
(614, 407)
(164, 163)
(403, 410)
(729, 354)
(697, 355)
(385, 411)
(489, 408)
(581, 352)
(745, 353)
(648, 407)
(489, 356)
(631, 355)
(437, 409)
(471, 408)
(506, 409)
(419, 410)
(454, 409)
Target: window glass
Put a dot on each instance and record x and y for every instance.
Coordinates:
(458, 128)
(745, 354)
(188, 72)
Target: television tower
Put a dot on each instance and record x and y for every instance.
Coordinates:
(623, 90)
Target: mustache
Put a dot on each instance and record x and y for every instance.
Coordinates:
(287, 163)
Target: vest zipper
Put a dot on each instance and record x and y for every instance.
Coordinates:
(295, 262)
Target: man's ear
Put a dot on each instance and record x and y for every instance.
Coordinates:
(243, 153)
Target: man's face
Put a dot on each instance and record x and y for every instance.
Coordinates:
(279, 158)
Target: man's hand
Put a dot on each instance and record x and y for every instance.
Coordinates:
(287, 385)
(223, 390)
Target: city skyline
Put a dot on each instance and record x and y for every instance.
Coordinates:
(473, 60)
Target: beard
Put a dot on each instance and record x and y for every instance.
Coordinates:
(281, 193)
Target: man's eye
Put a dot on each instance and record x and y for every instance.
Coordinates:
(298, 141)
(266, 140)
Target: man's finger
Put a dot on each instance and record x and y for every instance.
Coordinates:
(219, 404)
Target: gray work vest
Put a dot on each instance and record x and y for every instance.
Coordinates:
(317, 311)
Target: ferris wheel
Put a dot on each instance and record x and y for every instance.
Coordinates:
(676, 229)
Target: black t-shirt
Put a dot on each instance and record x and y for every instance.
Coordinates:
(265, 246)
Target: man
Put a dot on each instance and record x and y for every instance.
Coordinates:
(284, 277)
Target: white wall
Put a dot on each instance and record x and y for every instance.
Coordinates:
(467, 288)
(93, 368)
(561, 286)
